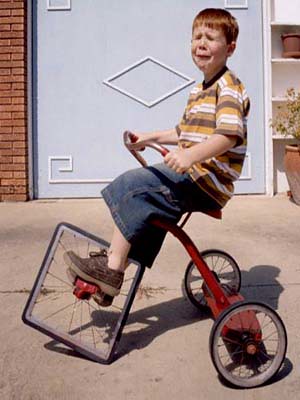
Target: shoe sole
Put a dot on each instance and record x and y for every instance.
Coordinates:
(107, 289)
(71, 275)
(102, 299)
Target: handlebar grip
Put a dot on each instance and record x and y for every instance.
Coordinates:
(130, 138)
(164, 151)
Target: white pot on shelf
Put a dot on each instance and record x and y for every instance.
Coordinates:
(287, 11)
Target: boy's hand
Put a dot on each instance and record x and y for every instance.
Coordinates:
(179, 160)
(160, 137)
(138, 142)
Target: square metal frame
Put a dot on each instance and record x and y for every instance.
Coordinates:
(29, 319)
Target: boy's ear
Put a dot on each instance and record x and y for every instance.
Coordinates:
(231, 48)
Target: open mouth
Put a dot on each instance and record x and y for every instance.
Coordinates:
(202, 58)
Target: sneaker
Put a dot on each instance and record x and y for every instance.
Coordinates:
(101, 298)
(94, 269)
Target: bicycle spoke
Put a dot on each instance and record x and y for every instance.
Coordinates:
(226, 339)
(72, 315)
(58, 311)
(60, 243)
(92, 327)
(49, 295)
(61, 280)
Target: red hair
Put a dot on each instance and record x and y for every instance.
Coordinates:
(218, 18)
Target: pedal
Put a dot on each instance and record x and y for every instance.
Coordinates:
(84, 290)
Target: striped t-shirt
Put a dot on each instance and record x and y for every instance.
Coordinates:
(221, 108)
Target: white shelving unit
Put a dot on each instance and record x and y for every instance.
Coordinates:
(281, 74)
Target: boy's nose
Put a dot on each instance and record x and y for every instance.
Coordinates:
(202, 42)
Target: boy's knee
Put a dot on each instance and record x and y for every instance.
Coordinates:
(126, 180)
(133, 178)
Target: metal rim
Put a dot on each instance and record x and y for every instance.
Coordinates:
(225, 268)
(243, 356)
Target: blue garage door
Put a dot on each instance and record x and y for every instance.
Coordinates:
(101, 67)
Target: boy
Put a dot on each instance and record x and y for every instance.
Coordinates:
(197, 176)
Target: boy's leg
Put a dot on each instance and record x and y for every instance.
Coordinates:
(115, 261)
(118, 251)
(106, 268)
(135, 198)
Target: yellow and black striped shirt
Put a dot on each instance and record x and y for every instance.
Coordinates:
(221, 108)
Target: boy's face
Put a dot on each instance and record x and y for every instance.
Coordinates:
(210, 50)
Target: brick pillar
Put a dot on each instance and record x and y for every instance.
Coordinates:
(13, 102)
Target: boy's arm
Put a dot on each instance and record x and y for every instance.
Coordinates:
(162, 137)
(180, 160)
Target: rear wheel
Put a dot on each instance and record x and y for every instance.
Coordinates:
(248, 344)
(225, 268)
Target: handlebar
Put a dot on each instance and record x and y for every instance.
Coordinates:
(129, 138)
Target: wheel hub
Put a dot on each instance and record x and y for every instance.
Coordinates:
(251, 348)
(249, 344)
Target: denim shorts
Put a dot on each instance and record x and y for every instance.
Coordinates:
(139, 195)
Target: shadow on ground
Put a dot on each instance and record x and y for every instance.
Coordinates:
(259, 284)
(146, 324)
